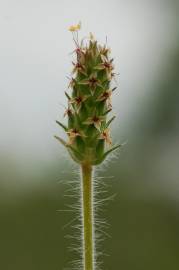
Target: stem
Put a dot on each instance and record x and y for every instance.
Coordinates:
(87, 217)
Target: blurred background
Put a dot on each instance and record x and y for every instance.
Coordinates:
(35, 59)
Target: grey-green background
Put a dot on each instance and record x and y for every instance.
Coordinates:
(35, 59)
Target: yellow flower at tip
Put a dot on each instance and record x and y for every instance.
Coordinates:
(75, 28)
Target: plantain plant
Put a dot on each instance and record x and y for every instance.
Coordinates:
(88, 129)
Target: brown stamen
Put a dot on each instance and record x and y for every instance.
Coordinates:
(107, 65)
(95, 119)
(78, 100)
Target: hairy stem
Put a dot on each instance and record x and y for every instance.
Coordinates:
(87, 217)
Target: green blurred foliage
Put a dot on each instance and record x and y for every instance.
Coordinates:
(144, 232)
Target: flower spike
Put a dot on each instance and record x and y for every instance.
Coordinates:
(87, 129)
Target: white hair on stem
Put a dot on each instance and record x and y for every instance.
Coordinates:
(100, 197)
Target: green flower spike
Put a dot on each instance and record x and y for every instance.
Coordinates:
(88, 129)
